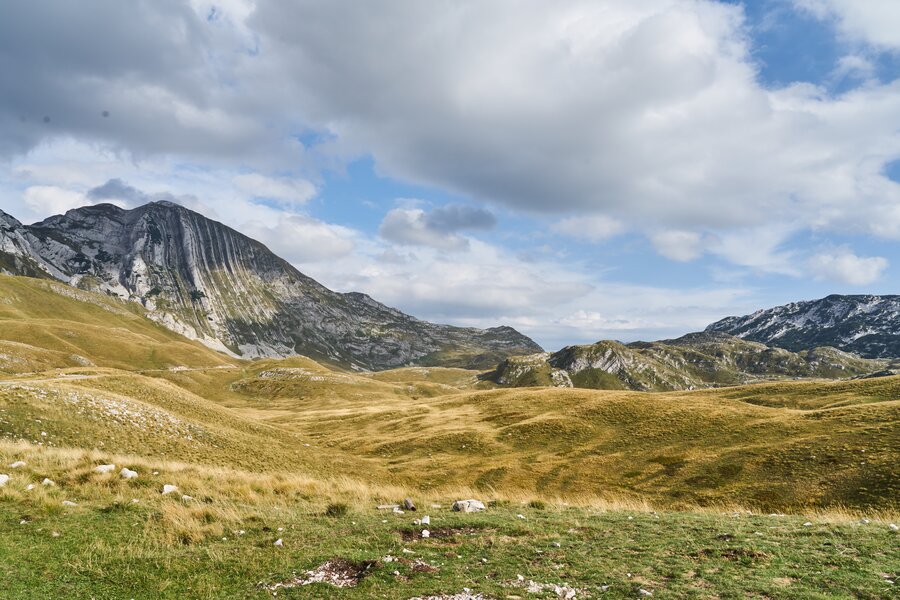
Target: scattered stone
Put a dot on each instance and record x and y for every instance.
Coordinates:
(426, 520)
(397, 511)
(644, 592)
(55, 534)
(156, 472)
(338, 572)
(560, 590)
(468, 506)
(466, 594)
(47, 481)
(3, 479)
(127, 473)
(68, 503)
(279, 542)
(135, 501)
(23, 522)
(893, 527)
(18, 464)
(168, 489)
(186, 498)
(388, 506)
(556, 545)
(863, 521)
(29, 487)
(807, 524)
(104, 468)
(408, 504)
(520, 516)
(426, 533)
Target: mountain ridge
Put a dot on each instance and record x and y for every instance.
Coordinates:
(865, 324)
(209, 282)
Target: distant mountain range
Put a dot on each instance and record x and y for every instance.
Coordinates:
(697, 360)
(866, 325)
(211, 283)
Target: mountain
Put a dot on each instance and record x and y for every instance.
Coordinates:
(866, 325)
(697, 360)
(210, 283)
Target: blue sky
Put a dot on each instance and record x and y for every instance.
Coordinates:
(579, 170)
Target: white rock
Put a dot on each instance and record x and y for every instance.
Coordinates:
(168, 489)
(807, 524)
(135, 501)
(3, 479)
(426, 533)
(47, 481)
(520, 516)
(29, 487)
(468, 506)
(156, 472)
(104, 468)
(18, 464)
(186, 498)
(426, 520)
(68, 503)
(644, 592)
(279, 542)
(893, 527)
(127, 473)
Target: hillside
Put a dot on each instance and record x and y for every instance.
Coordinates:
(210, 283)
(694, 361)
(603, 493)
(866, 325)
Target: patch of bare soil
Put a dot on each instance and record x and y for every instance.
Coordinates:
(338, 572)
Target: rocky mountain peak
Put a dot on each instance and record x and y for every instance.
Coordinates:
(212, 283)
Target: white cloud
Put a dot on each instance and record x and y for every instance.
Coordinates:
(293, 191)
(678, 245)
(52, 200)
(595, 228)
(875, 22)
(437, 228)
(843, 266)
(303, 240)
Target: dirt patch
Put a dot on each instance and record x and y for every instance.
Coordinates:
(441, 533)
(338, 572)
(733, 553)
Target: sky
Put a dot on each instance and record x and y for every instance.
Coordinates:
(579, 170)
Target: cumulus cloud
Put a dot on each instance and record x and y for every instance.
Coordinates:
(51, 200)
(595, 228)
(678, 245)
(290, 191)
(437, 228)
(303, 240)
(843, 266)
(875, 22)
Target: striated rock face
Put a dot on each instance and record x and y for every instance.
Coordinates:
(697, 360)
(211, 283)
(866, 325)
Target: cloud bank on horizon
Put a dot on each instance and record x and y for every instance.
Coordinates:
(577, 169)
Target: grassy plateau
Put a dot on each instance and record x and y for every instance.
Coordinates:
(774, 490)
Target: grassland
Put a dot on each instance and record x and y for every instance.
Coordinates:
(622, 489)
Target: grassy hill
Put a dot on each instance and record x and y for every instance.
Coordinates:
(639, 490)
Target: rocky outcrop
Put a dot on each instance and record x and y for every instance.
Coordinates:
(211, 283)
(866, 325)
(697, 360)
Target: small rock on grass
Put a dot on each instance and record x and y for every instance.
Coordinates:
(104, 468)
(279, 542)
(127, 473)
(468, 506)
(68, 503)
(48, 481)
(3, 479)
(168, 489)
(18, 464)
(893, 527)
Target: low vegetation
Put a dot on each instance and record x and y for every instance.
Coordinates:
(785, 489)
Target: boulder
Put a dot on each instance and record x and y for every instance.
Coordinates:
(127, 473)
(468, 506)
